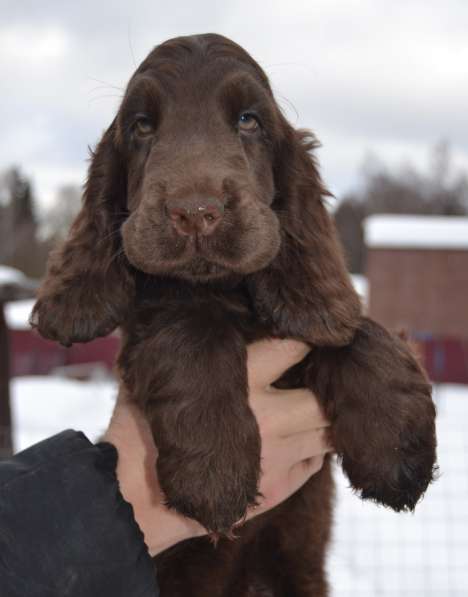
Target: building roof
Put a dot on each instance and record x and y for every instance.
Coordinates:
(419, 232)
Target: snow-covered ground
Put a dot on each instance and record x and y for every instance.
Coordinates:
(42, 406)
(411, 555)
(375, 553)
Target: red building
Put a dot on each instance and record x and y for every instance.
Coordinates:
(33, 355)
(417, 270)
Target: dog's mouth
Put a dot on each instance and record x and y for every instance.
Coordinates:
(200, 269)
(157, 249)
(199, 264)
(196, 264)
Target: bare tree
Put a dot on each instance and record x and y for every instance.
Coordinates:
(19, 244)
(439, 191)
(62, 213)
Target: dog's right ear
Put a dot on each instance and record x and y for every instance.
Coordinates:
(306, 292)
(89, 285)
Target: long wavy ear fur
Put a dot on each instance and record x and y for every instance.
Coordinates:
(305, 292)
(89, 287)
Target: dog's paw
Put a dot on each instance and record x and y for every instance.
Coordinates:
(214, 489)
(383, 416)
(79, 315)
(389, 452)
(398, 472)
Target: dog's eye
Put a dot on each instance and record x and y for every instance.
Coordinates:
(144, 127)
(247, 122)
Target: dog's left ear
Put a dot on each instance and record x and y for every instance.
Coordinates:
(306, 292)
(89, 287)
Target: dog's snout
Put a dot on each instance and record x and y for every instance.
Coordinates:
(192, 216)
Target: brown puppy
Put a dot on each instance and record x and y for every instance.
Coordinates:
(203, 228)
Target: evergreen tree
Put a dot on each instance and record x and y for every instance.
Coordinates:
(19, 244)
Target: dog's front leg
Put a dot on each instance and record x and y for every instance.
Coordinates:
(186, 367)
(383, 418)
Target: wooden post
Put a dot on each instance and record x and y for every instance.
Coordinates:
(6, 442)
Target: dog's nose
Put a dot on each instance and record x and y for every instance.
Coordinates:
(195, 216)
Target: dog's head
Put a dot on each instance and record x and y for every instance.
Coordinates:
(198, 129)
(201, 177)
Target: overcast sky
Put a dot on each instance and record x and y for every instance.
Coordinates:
(388, 77)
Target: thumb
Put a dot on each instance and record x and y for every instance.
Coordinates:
(267, 360)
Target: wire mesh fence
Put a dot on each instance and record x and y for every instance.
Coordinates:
(375, 552)
(379, 553)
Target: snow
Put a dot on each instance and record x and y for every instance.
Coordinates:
(42, 406)
(9, 275)
(361, 286)
(424, 232)
(17, 314)
(386, 554)
(375, 552)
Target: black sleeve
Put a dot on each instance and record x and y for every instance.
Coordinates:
(65, 529)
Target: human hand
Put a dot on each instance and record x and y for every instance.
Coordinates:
(294, 442)
(293, 428)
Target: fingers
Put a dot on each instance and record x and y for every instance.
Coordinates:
(284, 485)
(298, 411)
(280, 456)
(129, 428)
(269, 359)
(282, 413)
(303, 471)
(307, 445)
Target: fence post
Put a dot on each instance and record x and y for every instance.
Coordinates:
(6, 443)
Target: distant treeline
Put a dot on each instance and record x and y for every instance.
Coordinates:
(26, 233)
(439, 191)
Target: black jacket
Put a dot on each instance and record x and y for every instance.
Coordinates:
(65, 529)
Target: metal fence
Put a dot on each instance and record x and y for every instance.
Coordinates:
(378, 553)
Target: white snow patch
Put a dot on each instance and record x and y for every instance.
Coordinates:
(375, 552)
(383, 554)
(9, 275)
(17, 314)
(43, 406)
(361, 286)
(426, 232)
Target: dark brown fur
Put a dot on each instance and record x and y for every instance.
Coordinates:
(188, 307)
